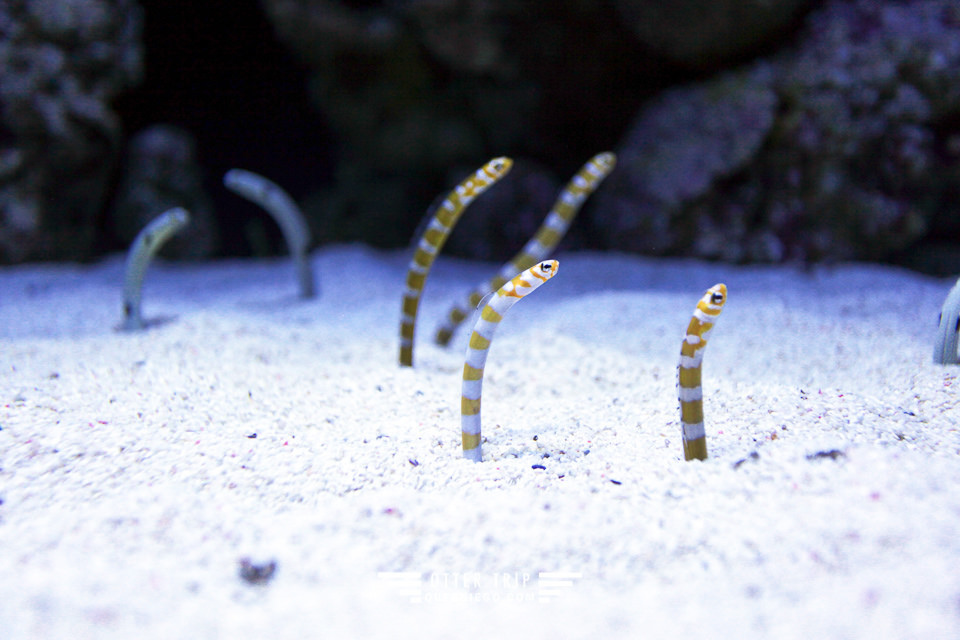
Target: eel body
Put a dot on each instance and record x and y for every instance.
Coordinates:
(432, 241)
(544, 241)
(285, 212)
(948, 331)
(144, 247)
(491, 315)
(688, 372)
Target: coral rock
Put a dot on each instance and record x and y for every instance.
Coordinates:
(61, 64)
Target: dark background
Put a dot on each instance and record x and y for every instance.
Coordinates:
(223, 76)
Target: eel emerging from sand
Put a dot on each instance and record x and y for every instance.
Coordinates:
(490, 317)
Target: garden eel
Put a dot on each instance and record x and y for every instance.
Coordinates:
(505, 297)
(284, 210)
(144, 246)
(688, 372)
(544, 241)
(432, 241)
(945, 347)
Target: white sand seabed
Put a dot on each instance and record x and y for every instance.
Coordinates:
(137, 469)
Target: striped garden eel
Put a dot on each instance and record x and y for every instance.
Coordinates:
(688, 372)
(505, 297)
(432, 240)
(945, 347)
(284, 210)
(144, 246)
(544, 241)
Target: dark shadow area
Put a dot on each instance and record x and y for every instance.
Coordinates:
(220, 73)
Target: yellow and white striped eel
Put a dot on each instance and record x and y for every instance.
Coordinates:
(544, 241)
(505, 297)
(688, 372)
(432, 240)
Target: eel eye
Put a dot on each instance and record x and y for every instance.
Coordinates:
(716, 298)
(546, 266)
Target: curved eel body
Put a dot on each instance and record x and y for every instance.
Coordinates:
(491, 315)
(545, 240)
(284, 210)
(948, 331)
(432, 240)
(688, 372)
(144, 246)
